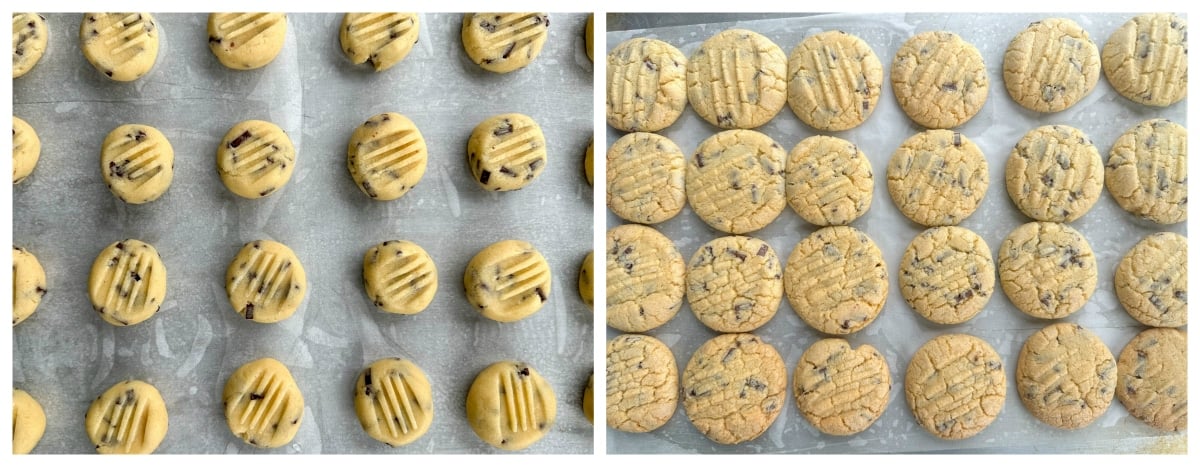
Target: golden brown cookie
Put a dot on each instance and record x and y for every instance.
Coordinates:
(937, 177)
(399, 277)
(508, 281)
(129, 418)
(1145, 59)
(839, 389)
(641, 383)
(645, 178)
(504, 42)
(393, 401)
(1151, 280)
(834, 80)
(1066, 376)
(955, 386)
(947, 274)
(1054, 174)
(510, 406)
(1047, 269)
(836, 280)
(1146, 171)
(1051, 65)
(29, 284)
(939, 79)
(1152, 378)
(828, 181)
(734, 387)
(735, 181)
(734, 284)
(646, 87)
(263, 404)
(737, 79)
(380, 39)
(645, 278)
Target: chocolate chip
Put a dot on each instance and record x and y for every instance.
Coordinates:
(524, 371)
(109, 73)
(140, 136)
(255, 397)
(949, 87)
(541, 294)
(136, 277)
(507, 171)
(763, 250)
(535, 164)
(650, 65)
(248, 311)
(484, 177)
(509, 50)
(503, 129)
(367, 377)
(240, 139)
(487, 26)
(736, 254)
(957, 139)
(214, 40)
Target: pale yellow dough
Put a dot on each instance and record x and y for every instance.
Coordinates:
(504, 42)
(393, 401)
(128, 282)
(386, 156)
(245, 41)
(510, 406)
(506, 152)
(29, 422)
(129, 418)
(26, 150)
(263, 405)
(123, 46)
(265, 282)
(30, 37)
(29, 284)
(507, 281)
(380, 39)
(137, 163)
(255, 159)
(400, 277)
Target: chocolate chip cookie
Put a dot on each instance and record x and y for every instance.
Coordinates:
(734, 387)
(955, 386)
(1047, 269)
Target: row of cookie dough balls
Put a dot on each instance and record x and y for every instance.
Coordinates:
(734, 386)
(832, 80)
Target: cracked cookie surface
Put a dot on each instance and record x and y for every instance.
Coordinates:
(834, 80)
(506, 152)
(641, 383)
(645, 178)
(30, 38)
(645, 278)
(508, 281)
(1145, 59)
(1054, 174)
(123, 46)
(955, 386)
(504, 42)
(1051, 65)
(836, 280)
(947, 274)
(1151, 280)
(937, 177)
(939, 79)
(646, 85)
(1146, 171)
(265, 282)
(734, 284)
(1152, 378)
(734, 387)
(137, 163)
(129, 418)
(510, 406)
(245, 41)
(828, 181)
(841, 390)
(735, 181)
(737, 79)
(29, 284)
(255, 159)
(128, 282)
(1066, 376)
(379, 39)
(1047, 269)
(386, 156)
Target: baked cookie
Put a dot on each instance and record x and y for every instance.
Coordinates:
(504, 42)
(1146, 59)
(265, 282)
(129, 418)
(641, 383)
(137, 163)
(1047, 269)
(587, 163)
(27, 148)
(939, 79)
(955, 386)
(735, 181)
(828, 181)
(586, 286)
(128, 282)
(30, 37)
(834, 80)
(1066, 376)
(123, 46)
(645, 275)
(737, 79)
(734, 284)
(507, 281)
(588, 400)
(245, 41)
(263, 405)
(393, 401)
(379, 39)
(647, 89)
(937, 177)
(506, 152)
(1147, 171)
(399, 277)
(839, 389)
(510, 406)
(386, 156)
(1051, 65)
(1054, 174)
(947, 274)
(29, 284)
(645, 178)
(1152, 378)
(29, 422)
(270, 153)
(1151, 280)
(734, 387)
(836, 280)
(587, 44)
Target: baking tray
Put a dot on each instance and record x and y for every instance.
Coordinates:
(65, 355)
(899, 331)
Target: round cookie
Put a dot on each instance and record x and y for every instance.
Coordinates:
(1151, 280)
(587, 163)
(137, 163)
(393, 401)
(834, 80)
(29, 284)
(263, 404)
(1145, 59)
(29, 422)
(380, 39)
(836, 280)
(507, 281)
(737, 79)
(245, 41)
(506, 152)
(947, 274)
(265, 282)
(504, 42)
(734, 387)
(399, 277)
(586, 286)
(1047, 269)
(1066, 376)
(1147, 171)
(30, 38)
(641, 383)
(646, 85)
(645, 178)
(27, 148)
(1051, 65)
(123, 46)
(587, 44)
(510, 406)
(386, 156)
(828, 181)
(129, 418)
(255, 159)
(955, 386)
(645, 275)
(735, 181)
(734, 284)
(939, 79)
(1054, 174)
(128, 282)
(839, 389)
(588, 398)
(1152, 378)
(937, 177)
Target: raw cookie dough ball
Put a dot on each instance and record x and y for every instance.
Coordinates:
(1147, 171)
(27, 148)
(506, 152)
(507, 281)
(939, 79)
(30, 37)
(836, 280)
(1046, 269)
(947, 274)
(587, 163)
(645, 274)
(128, 282)
(645, 178)
(393, 401)
(1146, 59)
(735, 181)
(504, 42)
(641, 383)
(737, 79)
(955, 386)
(1151, 280)
(1152, 378)
(1054, 174)
(123, 46)
(839, 389)
(386, 156)
(510, 406)
(263, 405)
(588, 400)
(834, 80)
(734, 387)
(646, 86)
(937, 177)
(587, 43)
(1051, 65)
(1066, 376)
(399, 277)
(255, 159)
(829, 181)
(29, 284)
(586, 285)
(245, 41)
(265, 282)
(380, 39)
(129, 418)
(734, 284)
(29, 422)
(137, 163)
